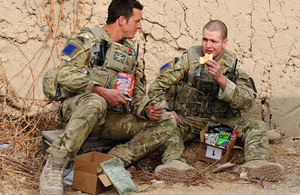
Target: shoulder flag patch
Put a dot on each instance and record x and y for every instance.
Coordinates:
(69, 49)
(165, 66)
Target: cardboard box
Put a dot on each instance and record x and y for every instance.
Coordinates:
(211, 153)
(88, 173)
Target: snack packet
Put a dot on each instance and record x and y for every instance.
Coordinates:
(211, 138)
(225, 135)
(232, 137)
(125, 84)
(221, 142)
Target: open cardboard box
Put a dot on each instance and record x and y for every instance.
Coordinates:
(211, 153)
(88, 173)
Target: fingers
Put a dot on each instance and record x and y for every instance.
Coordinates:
(155, 113)
(126, 97)
(178, 120)
(211, 64)
(214, 68)
(122, 99)
(154, 117)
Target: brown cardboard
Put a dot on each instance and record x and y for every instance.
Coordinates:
(211, 153)
(88, 173)
(105, 180)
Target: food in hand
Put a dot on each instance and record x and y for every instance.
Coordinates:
(205, 58)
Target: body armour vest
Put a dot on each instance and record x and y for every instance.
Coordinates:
(197, 94)
(106, 59)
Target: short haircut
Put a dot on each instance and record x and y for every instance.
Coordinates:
(217, 25)
(124, 8)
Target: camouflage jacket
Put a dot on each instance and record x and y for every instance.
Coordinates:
(238, 94)
(78, 75)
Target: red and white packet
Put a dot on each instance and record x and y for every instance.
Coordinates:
(125, 84)
(232, 137)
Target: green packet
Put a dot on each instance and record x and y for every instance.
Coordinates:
(221, 142)
(225, 135)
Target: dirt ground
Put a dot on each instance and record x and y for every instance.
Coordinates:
(285, 152)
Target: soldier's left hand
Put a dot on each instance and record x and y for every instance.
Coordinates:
(154, 112)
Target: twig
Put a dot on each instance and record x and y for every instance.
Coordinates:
(76, 22)
(24, 131)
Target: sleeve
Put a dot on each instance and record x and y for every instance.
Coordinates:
(140, 99)
(241, 94)
(72, 75)
(170, 74)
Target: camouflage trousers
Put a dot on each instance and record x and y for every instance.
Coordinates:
(252, 134)
(87, 114)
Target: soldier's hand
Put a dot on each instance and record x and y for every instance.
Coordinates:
(154, 112)
(214, 69)
(113, 97)
(178, 120)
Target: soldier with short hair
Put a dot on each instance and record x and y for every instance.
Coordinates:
(214, 92)
(91, 62)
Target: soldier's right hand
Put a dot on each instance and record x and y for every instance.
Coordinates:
(113, 97)
(178, 120)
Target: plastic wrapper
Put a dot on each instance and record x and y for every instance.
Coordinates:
(221, 142)
(211, 138)
(232, 137)
(125, 84)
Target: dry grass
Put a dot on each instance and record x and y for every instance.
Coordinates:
(22, 119)
(20, 161)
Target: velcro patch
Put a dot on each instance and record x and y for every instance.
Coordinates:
(165, 66)
(119, 57)
(69, 49)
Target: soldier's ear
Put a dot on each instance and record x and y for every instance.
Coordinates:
(225, 41)
(121, 20)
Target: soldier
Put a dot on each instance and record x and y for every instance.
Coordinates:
(214, 92)
(91, 62)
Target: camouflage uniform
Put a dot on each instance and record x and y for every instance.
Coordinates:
(186, 87)
(84, 112)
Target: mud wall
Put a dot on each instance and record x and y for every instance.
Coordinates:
(265, 35)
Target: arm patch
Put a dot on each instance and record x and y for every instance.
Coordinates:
(164, 66)
(69, 49)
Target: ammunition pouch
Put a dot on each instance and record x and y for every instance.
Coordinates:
(191, 102)
(120, 58)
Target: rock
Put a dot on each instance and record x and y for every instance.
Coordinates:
(274, 135)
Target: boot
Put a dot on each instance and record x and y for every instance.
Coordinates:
(175, 169)
(263, 170)
(51, 179)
